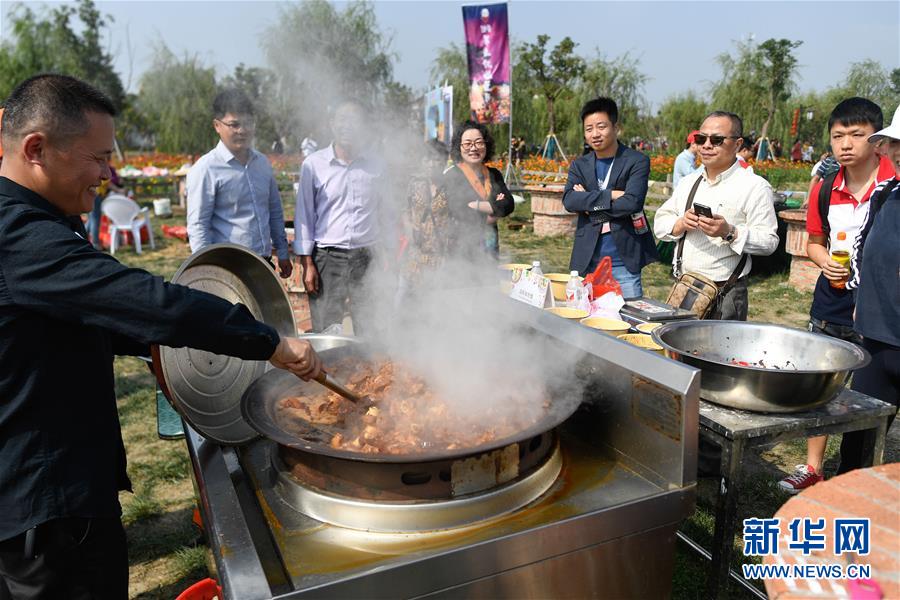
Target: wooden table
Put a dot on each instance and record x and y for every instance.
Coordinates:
(737, 431)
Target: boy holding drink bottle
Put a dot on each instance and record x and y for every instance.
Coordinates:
(838, 206)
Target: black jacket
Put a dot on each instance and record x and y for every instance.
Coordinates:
(630, 172)
(65, 311)
(469, 228)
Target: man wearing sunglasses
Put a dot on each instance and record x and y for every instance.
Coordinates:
(231, 191)
(743, 215)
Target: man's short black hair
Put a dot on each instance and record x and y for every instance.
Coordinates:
(232, 101)
(856, 111)
(737, 124)
(455, 152)
(598, 105)
(55, 104)
(746, 145)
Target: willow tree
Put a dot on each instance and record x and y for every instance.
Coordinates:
(757, 81)
(176, 96)
(321, 55)
(679, 115)
(450, 67)
(65, 40)
(553, 75)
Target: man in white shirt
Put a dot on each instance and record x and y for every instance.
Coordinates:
(743, 220)
(231, 191)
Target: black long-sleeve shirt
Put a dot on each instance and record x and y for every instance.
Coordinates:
(65, 311)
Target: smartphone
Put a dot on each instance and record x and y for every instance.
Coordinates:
(703, 210)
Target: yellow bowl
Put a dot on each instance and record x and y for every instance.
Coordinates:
(647, 327)
(567, 313)
(611, 326)
(558, 283)
(641, 341)
(511, 266)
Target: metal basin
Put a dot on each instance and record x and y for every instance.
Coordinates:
(786, 370)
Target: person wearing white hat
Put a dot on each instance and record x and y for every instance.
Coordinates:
(876, 278)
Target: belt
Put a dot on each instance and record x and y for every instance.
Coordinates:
(342, 250)
(824, 324)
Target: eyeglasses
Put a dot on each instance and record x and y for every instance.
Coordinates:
(715, 140)
(236, 125)
(469, 145)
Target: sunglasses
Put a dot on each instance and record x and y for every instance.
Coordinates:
(715, 140)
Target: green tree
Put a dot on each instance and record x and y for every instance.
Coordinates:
(621, 79)
(678, 116)
(778, 66)
(871, 80)
(757, 81)
(176, 97)
(552, 76)
(321, 55)
(48, 43)
(259, 84)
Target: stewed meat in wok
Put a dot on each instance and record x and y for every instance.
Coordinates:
(406, 415)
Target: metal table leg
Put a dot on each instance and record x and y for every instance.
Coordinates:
(726, 511)
(873, 444)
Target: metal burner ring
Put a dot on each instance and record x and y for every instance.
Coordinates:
(413, 516)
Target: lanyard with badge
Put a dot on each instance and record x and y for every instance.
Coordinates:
(602, 185)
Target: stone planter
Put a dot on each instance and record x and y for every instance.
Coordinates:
(804, 272)
(550, 216)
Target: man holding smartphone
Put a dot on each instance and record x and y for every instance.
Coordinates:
(732, 214)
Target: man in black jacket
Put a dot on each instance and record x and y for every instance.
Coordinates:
(65, 311)
(607, 187)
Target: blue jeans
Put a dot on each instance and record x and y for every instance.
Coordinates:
(630, 282)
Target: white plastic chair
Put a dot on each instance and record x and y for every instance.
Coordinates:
(124, 214)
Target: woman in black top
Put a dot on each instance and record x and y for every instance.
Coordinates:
(476, 196)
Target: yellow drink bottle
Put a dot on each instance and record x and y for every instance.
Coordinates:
(840, 253)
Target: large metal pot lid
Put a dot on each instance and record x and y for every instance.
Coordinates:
(206, 388)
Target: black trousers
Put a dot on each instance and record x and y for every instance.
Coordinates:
(733, 305)
(71, 558)
(341, 279)
(879, 379)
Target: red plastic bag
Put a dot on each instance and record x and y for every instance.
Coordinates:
(602, 280)
(206, 589)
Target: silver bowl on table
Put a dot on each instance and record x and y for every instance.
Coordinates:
(759, 366)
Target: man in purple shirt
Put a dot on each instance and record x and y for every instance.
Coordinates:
(336, 220)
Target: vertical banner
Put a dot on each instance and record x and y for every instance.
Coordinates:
(795, 122)
(487, 48)
(439, 115)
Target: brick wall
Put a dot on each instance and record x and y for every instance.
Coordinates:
(550, 216)
(865, 493)
(804, 274)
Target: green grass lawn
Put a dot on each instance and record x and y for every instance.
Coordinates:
(165, 550)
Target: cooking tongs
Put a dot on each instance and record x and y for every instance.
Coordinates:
(340, 389)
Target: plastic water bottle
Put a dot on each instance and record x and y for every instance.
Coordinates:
(574, 290)
(536, 268)
(840, 253)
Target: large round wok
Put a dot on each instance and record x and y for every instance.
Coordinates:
(258, 406)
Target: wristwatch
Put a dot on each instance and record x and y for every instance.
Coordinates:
(732, 233)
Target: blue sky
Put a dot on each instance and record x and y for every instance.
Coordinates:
(677, 42)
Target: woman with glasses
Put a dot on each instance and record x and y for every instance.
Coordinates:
(476, 195)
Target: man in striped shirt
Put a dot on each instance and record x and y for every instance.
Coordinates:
(743, 220)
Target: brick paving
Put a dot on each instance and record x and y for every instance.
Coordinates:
(872, 493)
